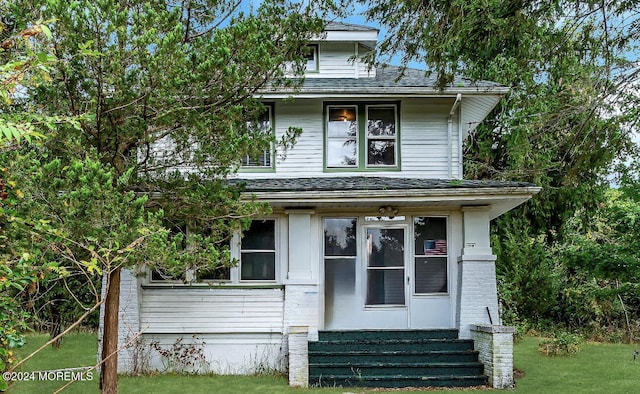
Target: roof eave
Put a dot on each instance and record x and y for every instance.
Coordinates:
(500, 200)
(383, 91)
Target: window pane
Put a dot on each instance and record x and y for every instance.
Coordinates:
(385, 247)
(160, 275)
(258, 266)
(262, 125)
(385, 287)
(341, 152)
(340, 237)
(381, 152)
(430, 236)
(381, 121)
(218, 273)
(260, 236)
(312, 56)
(342, 122)
(340, 286)
(431, 275)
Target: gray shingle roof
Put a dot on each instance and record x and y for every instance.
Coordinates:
(341, 26)
(389, 79)
(392, 76)
(362, 183)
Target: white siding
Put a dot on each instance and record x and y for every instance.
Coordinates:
(190, 310)
(225, 354)
(475, 109)
(306, 156)
(424, 148)
(334, 61)
(425, 143)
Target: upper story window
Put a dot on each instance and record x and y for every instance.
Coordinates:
(263, 160)
(362, 136)
(312, 57)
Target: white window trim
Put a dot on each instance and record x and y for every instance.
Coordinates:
(235, 272)
(315, 49)
(248, 167)
(276, 262)
(446, 256)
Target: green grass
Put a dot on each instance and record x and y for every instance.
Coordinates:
(598, 368)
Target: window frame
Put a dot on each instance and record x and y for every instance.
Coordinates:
(238, 267)
(315, 50)
(244, 167)
(445, 255)
(362, 109)
(235, 273)
(367, 138)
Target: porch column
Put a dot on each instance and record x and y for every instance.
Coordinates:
(477, 290)
(301, 297)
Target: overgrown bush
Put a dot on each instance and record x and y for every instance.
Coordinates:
(562, 344)
(181, 357)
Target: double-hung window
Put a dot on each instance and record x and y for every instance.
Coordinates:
(254, 250)
(312, 58)
(264, 159)
(258, 252)
(362, 137)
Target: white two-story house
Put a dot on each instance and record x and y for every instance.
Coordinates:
(373, 228)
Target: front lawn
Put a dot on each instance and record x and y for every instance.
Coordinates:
(598, 368)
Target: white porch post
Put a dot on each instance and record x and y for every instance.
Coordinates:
(301, 302)
(477, 289)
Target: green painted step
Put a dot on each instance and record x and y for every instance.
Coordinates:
(380, 335)
(394, 358)
(392, 345)
(398, 381)
(396, 369)
(320, 356)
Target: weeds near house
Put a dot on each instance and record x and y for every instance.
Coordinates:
(183, 357)
(562, 344)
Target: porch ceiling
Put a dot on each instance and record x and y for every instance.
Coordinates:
(358, 192)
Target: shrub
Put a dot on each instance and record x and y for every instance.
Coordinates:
(562, 344)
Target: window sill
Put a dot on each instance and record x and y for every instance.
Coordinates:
(256, 169)
(211, 285)
(361, 169)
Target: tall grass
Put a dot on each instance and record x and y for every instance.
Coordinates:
(597, 368)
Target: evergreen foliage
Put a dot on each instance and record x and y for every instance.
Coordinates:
(568, 120)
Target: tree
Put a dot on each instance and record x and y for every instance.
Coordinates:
(573, 71)
(167, 86)
(24, 61)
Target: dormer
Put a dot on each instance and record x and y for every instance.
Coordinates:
(332, 54)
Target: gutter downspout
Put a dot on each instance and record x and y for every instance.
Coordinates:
(450, 132)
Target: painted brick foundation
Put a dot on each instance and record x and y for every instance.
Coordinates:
(299, 356)
(495, 347)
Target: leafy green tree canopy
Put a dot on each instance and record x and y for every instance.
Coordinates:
(166, 93)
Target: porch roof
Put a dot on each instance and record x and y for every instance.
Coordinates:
(360, 191)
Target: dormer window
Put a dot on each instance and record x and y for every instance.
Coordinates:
(312, 57)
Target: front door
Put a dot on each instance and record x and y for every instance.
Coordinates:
(386, 274)
(365, 274)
